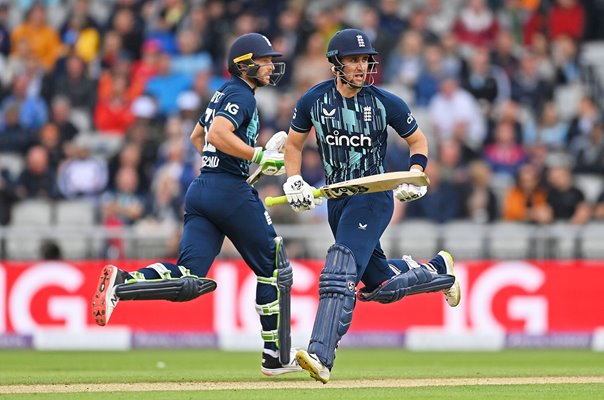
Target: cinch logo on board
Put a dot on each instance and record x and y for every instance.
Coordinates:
(336, 139)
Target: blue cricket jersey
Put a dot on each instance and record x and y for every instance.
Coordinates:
(235, 101)
(352, 132)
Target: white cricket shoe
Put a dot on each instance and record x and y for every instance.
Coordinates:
(453, 294)
(105, 299)
(313, 365)
(271, 366)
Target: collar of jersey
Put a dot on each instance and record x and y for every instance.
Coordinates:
(242, 82)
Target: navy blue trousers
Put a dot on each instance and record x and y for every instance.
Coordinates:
(358, 222)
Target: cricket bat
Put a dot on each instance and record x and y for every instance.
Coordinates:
(255, 177)
(367, 184)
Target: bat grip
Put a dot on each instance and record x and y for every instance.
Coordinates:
(272, 201)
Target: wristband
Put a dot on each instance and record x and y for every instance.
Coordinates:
(418, 159)
(257, 155)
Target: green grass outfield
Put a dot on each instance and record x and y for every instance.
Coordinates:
(359, 374)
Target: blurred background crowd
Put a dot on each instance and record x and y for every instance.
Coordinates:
(98, 98)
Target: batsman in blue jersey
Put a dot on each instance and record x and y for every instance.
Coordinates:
(221, 203)
(350, 117)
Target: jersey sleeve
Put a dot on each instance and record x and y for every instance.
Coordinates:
(399, 115)
(237, 107)
(301, 120)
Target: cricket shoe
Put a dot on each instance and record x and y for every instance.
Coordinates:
(105, 299)
(271, 366)
(313, 365)
(453, 294)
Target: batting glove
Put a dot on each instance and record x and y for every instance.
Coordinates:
(300, 194)
(407, 192)
(271, 161)
(277, 142)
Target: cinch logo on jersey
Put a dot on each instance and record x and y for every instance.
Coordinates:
(335, 139)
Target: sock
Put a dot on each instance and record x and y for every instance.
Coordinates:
(151, 271)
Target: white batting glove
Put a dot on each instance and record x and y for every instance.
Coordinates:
(407, 192)
(277, 142)
(271, 161)
(300, 194)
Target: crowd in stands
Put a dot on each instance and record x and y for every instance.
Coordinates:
(511, 107)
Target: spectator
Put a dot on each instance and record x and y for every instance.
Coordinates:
(456, 114)
(7, 196)
(4, 29)
(33, 111)
(164, 205)
(453, 63)
(162, 32)
(529, 89)
(566, 201)
(75, 85)
(81, 32)
(113, 114)
(126, 25)
(190, 59)
(313, 66)
(405, 62)
(82, 175)
(429, 78)
(526, 201)
(476, 25)
(441, 15)
(508, 111)
(441, 204)
(59, 115)
(49, 137)
(43, 39)
(541, 49)
(50, 250)
(122, 206)
(599, 208)
(588, 151)
(511, 17)
(566, 59)
(418, 21)
(122, 67)
(37, 180)
(549, 130)
(504, 53)
(486, 82)
(583, 122)
(111, 50)
(167, 85)
(504, 155)
(390, 20)
(14, 137)
(128, 156)
(566, 17)
(479, 200)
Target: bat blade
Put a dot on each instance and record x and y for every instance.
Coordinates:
(255, 176)
(368, 184)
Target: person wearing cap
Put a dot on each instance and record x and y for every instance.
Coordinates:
(220, 203)
(350, 117)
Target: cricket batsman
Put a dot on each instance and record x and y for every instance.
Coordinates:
(219, 203)
(350, 117)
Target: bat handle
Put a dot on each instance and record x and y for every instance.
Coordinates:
(272, 201)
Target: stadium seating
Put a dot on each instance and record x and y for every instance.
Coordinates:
(510, 240)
